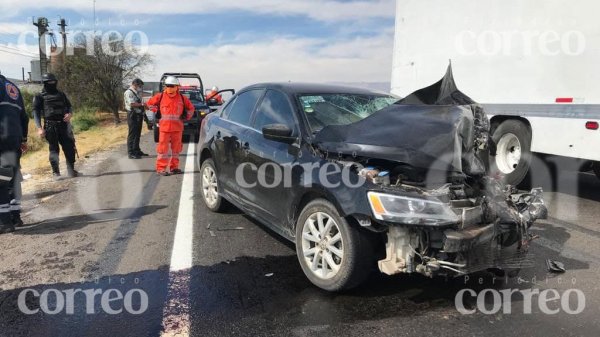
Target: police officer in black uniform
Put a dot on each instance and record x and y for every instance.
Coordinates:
(55, 108)
(13, 140)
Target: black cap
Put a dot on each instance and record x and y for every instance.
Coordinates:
(137, 81)
(49, 78)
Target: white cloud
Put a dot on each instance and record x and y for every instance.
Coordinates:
(13, 28)
(280, 59)
(322, 10)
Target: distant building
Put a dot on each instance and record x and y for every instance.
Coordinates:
(55, 62)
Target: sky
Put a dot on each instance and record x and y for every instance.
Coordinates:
(229, 43)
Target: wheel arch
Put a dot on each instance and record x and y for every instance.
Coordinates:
(309, 196)
(205, 154)
(495, 121)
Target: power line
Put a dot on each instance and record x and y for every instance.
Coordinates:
(15, 53)
(19, 50)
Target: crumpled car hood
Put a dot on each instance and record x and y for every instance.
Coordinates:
(435, 127)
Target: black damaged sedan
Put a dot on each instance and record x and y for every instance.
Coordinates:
(360, 180)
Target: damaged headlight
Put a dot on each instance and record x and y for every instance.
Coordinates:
(407, 210)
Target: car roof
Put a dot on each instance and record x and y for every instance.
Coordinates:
(311, 88)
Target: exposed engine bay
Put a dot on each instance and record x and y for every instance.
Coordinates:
(430, 190)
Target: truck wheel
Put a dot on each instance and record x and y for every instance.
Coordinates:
(210, 187)
(596, 168)
(333, 255)
(513, 151)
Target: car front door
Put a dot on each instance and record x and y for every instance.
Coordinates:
(272, 161)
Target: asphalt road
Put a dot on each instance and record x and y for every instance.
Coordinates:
(113, 231)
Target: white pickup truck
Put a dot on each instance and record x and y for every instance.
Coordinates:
(534, 65)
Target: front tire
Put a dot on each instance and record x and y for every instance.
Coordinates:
(513, 151)
(333, 254)
(210, 187)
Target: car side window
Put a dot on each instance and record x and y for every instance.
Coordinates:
(274, 109)
(241, 110)
(226, 108)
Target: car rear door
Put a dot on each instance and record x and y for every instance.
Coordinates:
(232, 139)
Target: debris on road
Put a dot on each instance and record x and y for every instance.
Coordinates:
(222, 229)
(208, 226)
(555, 266)
(212, 233)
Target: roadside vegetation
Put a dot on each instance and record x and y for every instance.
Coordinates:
(94, 84)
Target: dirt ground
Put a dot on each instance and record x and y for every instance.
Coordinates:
(36, 167)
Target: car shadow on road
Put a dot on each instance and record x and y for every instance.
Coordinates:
(89, 316)
(76, 222)
(272, 294)
(550, 244)
(562, 175)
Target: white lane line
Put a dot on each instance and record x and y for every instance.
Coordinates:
(176, 313)
(181, 257)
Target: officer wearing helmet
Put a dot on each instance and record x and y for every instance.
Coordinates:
(214, 94)
(54, 108)
(171, 108)
(13, 141)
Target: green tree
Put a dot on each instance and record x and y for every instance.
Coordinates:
(96, 77)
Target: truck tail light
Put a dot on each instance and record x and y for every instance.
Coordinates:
(564, 100)
(591, 125)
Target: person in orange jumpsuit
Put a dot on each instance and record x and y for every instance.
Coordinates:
(172, 108)
(213, 93)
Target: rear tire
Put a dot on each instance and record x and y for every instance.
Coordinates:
(333, 254)
(513, 151)
(210, 190)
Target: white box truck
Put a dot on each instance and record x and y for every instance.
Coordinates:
(533, 64)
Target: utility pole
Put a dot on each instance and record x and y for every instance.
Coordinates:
(94, 17)
(63, 33)
(42, 24)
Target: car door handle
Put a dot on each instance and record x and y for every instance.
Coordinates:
(218, 135)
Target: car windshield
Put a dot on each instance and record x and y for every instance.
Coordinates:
(322, 110)
(194, 95)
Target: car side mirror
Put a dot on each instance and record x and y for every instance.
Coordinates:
(213, 102)
(279, 133)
